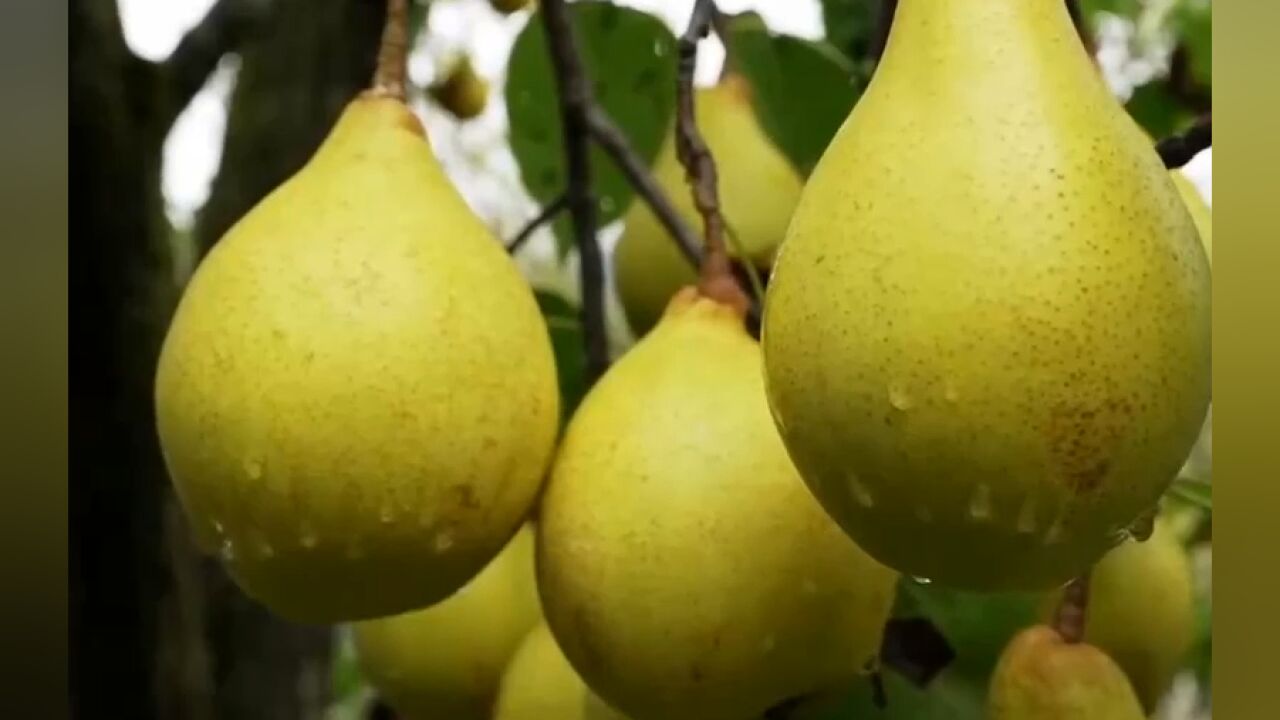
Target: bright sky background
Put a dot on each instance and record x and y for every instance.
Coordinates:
(475, 153)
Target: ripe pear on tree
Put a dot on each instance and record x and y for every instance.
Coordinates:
(758, 191)
(1041, 676)
(539, 684)
(446, 661)
(987, 332)
(1142, 610)
(357, 398)
(683, 566)
(1198, 208)
(462, 91)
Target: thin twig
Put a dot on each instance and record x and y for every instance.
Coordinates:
(393, 55)
(547, 214)
(575, 102)
(1069, 620)
(615, 144)
(1178, 150)
(716, 279)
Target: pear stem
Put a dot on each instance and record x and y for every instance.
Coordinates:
(389, 79)
(1072, 612)
(716, 280)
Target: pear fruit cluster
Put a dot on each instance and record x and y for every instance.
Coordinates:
(758, 188)
(540, 684)
(356, 398)
(684, 568)
(987, 332)
(446, 661)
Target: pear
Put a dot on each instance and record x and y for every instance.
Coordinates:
(540, 684)
(683, 566)
(758, 191)
(987, 332)
(445, 661)
(1198, 208)
(507, 7)
(1141, 610)
(357, 397)
(462, 91)
(1042, 677)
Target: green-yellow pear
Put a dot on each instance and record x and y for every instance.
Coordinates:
(758, 190)
(683, 566)
(357, 396)
(507, 7)
(1198, 208)
(540, 684)
(445, 661)
(1141, 610)
(1042, 677)
(462, 91)
(987, 332)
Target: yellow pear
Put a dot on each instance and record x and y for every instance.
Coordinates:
(758, 190)
(1141, 610)
(357, 396)
(683, 566)
(446, 661)
(1198, 208)
(987, 332)
(462, 91)
(539, 684)
(1042, 677)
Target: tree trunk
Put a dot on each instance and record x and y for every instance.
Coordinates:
(120, 291)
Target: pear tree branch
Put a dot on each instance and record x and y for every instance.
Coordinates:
(1178, 150)
(1069, 620)
(717, 280)
(615, 144)
(548, 213)
(575, 98)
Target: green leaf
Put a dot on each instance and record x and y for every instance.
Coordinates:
(631, 61)
(1193, 25)
(1155, 107)
(850, 24)
(948, 697)
(565, 328)
(803, 90)
(1197, 493)
(977, 625)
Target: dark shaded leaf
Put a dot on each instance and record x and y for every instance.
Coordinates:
(803, 90)
(630, 59)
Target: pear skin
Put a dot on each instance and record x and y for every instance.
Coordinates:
(539, 684)
(683, 566)
(1041, 677)
(987, 332)
(446, 661)
(1142, 610)
(1198, 208)
(357, 397)
(758, 191)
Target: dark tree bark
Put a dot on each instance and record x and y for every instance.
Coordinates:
(118, 288)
